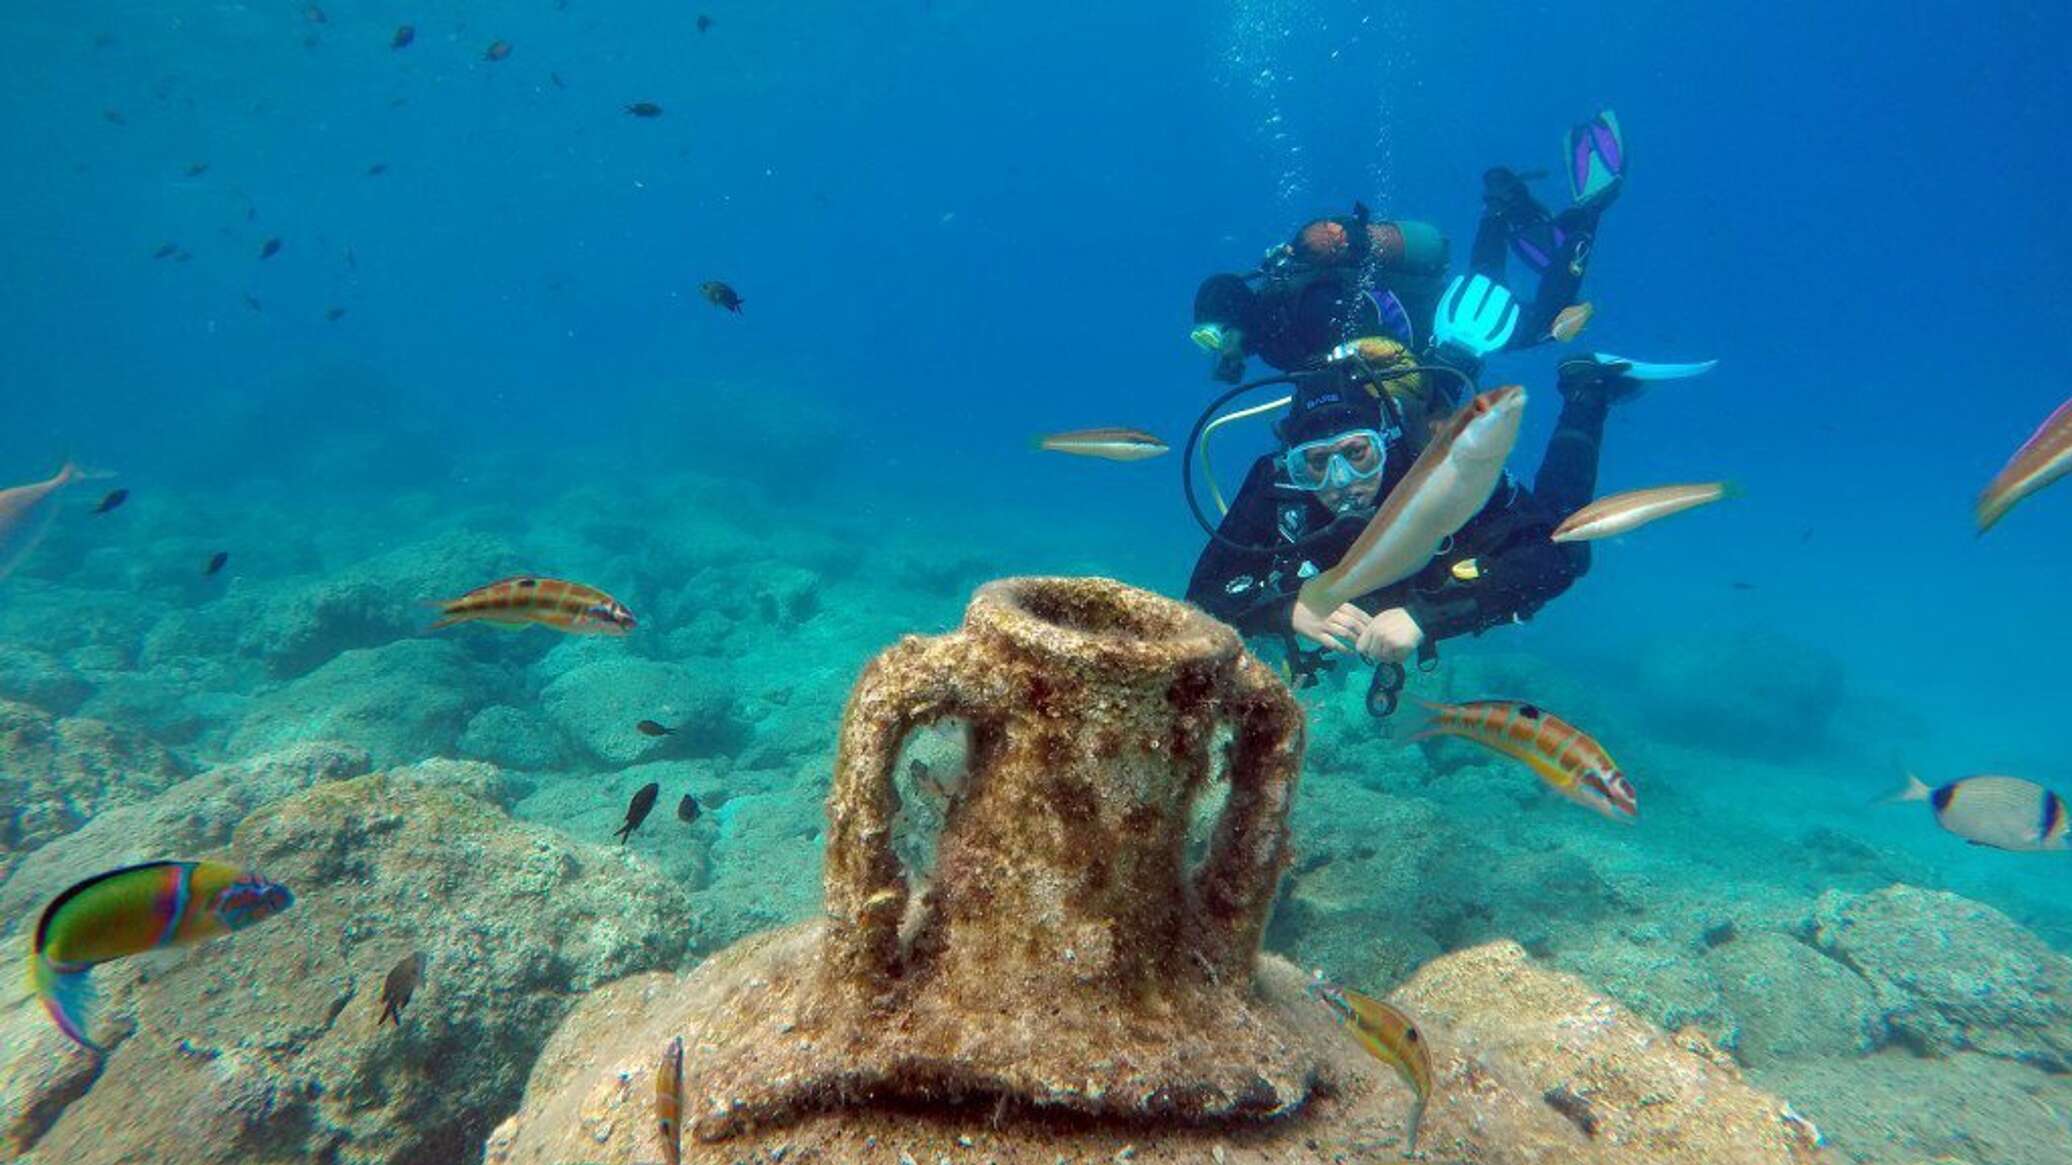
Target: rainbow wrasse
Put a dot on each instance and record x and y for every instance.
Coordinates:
(1107, 444)
(2045, 457)
(1448, 484)
(1620, 513)
(669, 1101)
(1389, 1036)
(132, 910)
(1564, 756)
(529, 599)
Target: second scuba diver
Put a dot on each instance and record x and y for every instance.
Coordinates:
(1334, 311)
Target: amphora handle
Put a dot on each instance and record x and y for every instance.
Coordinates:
(1234, 888)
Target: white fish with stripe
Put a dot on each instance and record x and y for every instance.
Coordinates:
(1620, 513)
(1106, 444)
(2002, 812)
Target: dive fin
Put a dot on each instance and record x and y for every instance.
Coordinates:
(1595, 156)
(1643, 370)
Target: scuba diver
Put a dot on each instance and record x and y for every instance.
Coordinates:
(1348, 277)
(1364, 401)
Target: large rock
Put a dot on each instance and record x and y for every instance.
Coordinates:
(598, 703)
(188, 820)
(1791, 1001)
(1952, 974)
(55, 775)
(402, 703)
(36, 678)
(264, 1046)
(1754, 694)
(1896, 1107)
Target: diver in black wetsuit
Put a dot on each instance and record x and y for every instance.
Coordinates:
(1343, 448)
(1336, 306)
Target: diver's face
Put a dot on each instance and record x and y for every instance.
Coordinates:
(1359, 495)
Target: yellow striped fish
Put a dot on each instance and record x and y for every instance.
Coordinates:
(1106, 444)
(1389, 1036)
(526, 599)
(669, 1101)
(1564, 756)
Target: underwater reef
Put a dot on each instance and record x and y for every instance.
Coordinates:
(457, 794)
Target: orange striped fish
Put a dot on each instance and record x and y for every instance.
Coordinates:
(525, 599)
(669, 1101)
(1564, 756)
(2045, 457)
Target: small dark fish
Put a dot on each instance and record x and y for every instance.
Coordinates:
(637, 812)
(114, 500)
(405, 33)
(216, 562)
(1738, 585)
(197, 169)
(252, 301)
(182, 255)
(1359, 211)
(334, 313)
(166, 251)
(497, 50)
(270, 248)
(352, 261)
(704, 22)
(687, 809)
(114, 117)
(650, 728)
(720, 295)
(316, 15)
(556, 79)
(377, 169)
(644, 109)
(400, 985)
(1574, 1106)
(1806, 535)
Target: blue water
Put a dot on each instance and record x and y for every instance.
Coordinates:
(958, 225)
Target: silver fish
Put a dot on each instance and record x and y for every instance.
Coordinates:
(2002, 812)
(1107, 444)
(1620, 513)
(25, 514)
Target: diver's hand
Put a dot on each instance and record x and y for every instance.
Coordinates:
(1331, 631)
(1390, 637)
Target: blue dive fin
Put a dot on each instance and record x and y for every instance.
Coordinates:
(1642, 370)
(1595, 158)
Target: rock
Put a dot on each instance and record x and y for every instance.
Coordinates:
(1790, 1001)
(597, 704)
(1751, 693)
(33, 677)
(1533, 1066)
(56, 774)
(1897, 1107)
(1951, 974)
(264, 1046)
(1656, 977)
(187, 820)
(40, 1072)
(514, 739)
(402, 703)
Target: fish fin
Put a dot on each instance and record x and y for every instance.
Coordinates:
(447, 621)
(69, 998)
(1429, 728)
(1729, 490)
(1411, 1121)
(1914, 790)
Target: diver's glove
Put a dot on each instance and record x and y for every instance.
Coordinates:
(1227, 345)
(1476, 317)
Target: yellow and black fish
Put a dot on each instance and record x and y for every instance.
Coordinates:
(1389, 1036)
(527, 599)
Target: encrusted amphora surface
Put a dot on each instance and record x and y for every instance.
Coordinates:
(1063, 956)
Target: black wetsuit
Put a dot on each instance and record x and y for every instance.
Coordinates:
(1516, 569)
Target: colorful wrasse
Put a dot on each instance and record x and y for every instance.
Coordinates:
(1620, 513)
(549, 602)
(132, 910)
(1107, 444)
(1389, 1036)
(25, 514)
(2002, 812)
(669, 1101)
(1571, 321)
(1448, 484)
(2045, 457)
(1563, 755)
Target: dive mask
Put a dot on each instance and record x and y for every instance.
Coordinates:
(1336, 462)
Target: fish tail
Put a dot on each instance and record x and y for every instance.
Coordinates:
(1433, 723)
(1729, 490)
(1410, 1127)
(1914, 790)
(68, 996)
